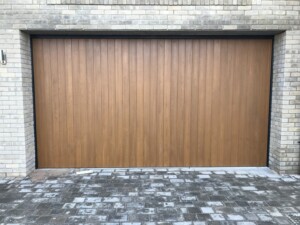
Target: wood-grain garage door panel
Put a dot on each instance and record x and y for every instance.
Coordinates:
(151, 102)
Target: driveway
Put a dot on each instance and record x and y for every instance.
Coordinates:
(151, 196)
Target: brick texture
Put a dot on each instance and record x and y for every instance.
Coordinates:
(18, 17)
(285, 120)
(152, 2)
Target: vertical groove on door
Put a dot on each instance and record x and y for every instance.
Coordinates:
(251, 139)
(83, 87)
(203, 117)
(208, 102)
(55, 100)
(215, 122)
(132, 101)
(160, 102)
(140, 103)
(119, 102)
(89, 103)
(243, 104)
(167, 97)
(235, 104)
(125, 71)
(98, 154)
(222, 102)
(180, 117)
(61, 100)
(187, 101)
(194, 156)
(153, 100)
(146, 69)
(227, 131)
(174, 157)
(111, 102)
(105, 106)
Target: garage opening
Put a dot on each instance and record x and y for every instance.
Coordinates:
(112, 102)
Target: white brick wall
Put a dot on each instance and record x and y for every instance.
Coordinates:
(17, 155)
(12, 124)
(285, 123)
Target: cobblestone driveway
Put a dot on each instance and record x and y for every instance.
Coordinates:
(149, 196)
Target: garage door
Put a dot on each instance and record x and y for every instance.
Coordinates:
(151, 102)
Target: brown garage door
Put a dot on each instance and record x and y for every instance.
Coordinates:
(151, 102)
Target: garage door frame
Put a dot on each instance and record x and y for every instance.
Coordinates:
(152, 36)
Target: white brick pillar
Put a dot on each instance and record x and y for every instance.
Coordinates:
(285, 111)
(27, 82)
(16, 108)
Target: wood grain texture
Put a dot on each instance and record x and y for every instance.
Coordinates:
(151, 102)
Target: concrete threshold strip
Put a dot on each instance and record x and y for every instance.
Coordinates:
(259, 171)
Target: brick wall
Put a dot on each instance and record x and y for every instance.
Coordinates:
(285, 117)
(291, 107)
(17, 17)
(277, 106)
(12, 126)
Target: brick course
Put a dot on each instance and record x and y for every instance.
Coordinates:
(18, 17)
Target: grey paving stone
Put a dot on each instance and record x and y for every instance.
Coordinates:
(151, 196)
(87, 211)
(207, 210)
(235, 217)
(217, 217)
